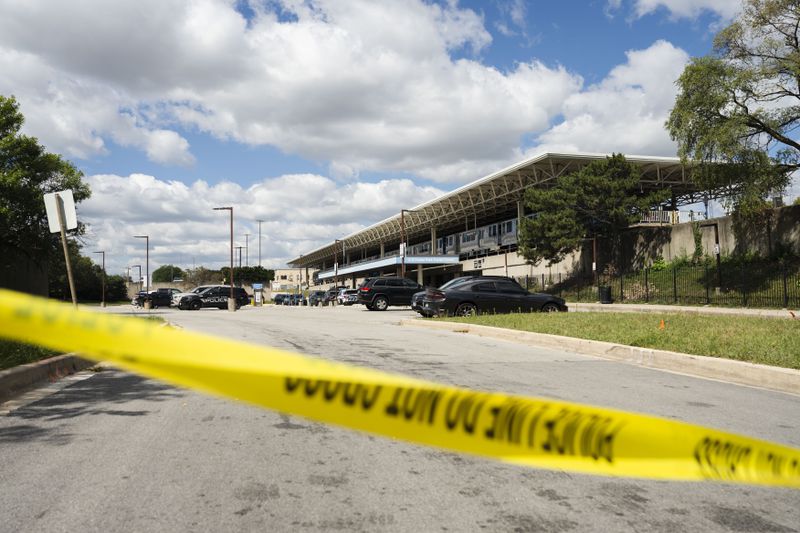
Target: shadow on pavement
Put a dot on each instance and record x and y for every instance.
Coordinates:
(98, 396)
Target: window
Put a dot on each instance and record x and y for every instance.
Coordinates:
(484, 287)
(379, 283)
(394, 282)
(450, 240)
(493, 230)
(408, 283)
(507, 286)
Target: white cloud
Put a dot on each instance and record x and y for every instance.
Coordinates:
(301, 212)
(727, 9)
(361, 85)
(627, 110)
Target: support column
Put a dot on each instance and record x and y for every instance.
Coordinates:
(419, 274)
(383, 251)
(348, 258)
(434, 251)
(520, 215)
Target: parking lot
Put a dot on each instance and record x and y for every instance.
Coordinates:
(184, 460)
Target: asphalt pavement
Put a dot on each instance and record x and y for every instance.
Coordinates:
(116, 452)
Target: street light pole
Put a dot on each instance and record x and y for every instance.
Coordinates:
(246, 250)
(259, 241)
(240, 255)
(403, 240)
(139, 279)
(147, 259)
(336, 263)
(103, 293)
(231, 301)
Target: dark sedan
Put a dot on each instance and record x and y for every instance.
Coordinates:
(416, 300)
(487, 295)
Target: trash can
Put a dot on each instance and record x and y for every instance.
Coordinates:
(604, 292)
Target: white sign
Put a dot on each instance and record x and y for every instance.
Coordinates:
(402, 248)
(50, 204)
(716, 249)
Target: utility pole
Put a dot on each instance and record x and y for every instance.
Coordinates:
(231, 301)
(147, 259)
(246, 250)
(103, 290)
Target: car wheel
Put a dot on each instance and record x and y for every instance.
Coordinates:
(370, 307)
(195, 306)
(549, 307)
(381, 303)
(466, 309)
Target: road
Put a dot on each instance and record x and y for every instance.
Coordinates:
(115, 452)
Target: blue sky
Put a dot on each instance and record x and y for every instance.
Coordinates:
(321, 117)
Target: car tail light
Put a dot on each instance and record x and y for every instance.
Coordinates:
(364, 289)
(435, 296)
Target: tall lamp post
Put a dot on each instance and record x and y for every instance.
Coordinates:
(139, 279)
(147, 259)
(403, 240)
(240, 255)
(259, 241)
(103, 293)
(246, 250)
(231, 301)
(336, 261)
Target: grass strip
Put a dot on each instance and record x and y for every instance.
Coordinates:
(766, 341)
(16, 353)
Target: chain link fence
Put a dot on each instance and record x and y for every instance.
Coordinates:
(743, 285)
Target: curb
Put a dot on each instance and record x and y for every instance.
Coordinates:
(729, 370)
(699, 310)
(19, 378)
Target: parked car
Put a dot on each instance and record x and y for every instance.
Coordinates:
(157, 298)
(315, 297)
(331, 294)
(416, 300)
(488, 294)
(294, 299)
(214, 297)
(176, 298)
(348, 297)
(379, 293)
(277, 299)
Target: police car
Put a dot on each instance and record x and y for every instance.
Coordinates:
(214, 297)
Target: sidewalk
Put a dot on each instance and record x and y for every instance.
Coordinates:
(699, 309)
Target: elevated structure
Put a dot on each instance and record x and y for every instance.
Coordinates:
(491, 199)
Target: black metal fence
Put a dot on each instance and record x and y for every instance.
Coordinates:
(742, 285)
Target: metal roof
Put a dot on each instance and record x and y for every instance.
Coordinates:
(494, 196)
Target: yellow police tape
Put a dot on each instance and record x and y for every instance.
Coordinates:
(530, 431)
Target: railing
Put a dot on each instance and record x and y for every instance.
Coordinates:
(660, 217)
(752, 285)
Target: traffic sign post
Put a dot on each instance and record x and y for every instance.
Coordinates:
(61, 216)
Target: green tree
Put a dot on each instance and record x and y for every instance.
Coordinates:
(27, 172)
(202, 276)
(601, 199)
(256, 274)
(740, 105)
(167, 273)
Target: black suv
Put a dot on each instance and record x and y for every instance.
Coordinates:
(380, 293)
(214, 297)
(157, 298)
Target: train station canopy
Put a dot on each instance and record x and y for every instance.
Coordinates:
(492, 198)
